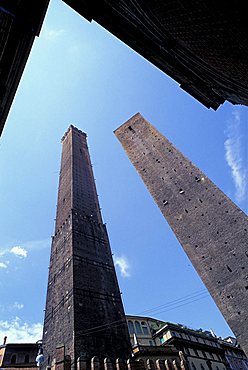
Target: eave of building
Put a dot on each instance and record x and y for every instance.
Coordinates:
(227, 346)
(174, 340)
(134, 317)
(154, 350)
(184, 342)
(19, 345)
(30, 365)
(171, 326)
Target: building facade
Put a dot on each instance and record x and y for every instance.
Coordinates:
(235, 356)
(18, 356)
(84, 314)
(202, 350)
(141, 329)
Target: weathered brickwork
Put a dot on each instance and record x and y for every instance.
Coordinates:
(210, 227)
(84, 312)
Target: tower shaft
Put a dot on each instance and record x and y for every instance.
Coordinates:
(84, 311)
(210, 227)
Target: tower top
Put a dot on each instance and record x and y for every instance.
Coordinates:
(75, 129)
(77, 188)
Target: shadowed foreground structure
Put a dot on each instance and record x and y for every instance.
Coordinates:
(201, 44)
(210, 227)
(20, 23)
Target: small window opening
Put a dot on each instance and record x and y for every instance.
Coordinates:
(131, 327)
(228, 268)
(137, 327)
(13, 359)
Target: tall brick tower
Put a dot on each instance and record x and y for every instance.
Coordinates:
(84, 313)
(210, 227)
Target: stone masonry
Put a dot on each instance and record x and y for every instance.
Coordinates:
(210, 227)
(84, 313)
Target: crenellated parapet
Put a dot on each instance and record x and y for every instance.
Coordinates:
(122, 364)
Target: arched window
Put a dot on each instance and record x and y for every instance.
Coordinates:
(26, 360)
(131, 327)
(13, 359)
(137, 327)
(144, 328)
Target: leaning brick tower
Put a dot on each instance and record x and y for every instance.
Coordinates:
(84, 314)
(210, 227)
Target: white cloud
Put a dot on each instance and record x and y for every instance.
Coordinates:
(233, 156)
(52, 34)
(27, 246)
(3, 252)
(3, 265)
(11, 307)
(74, 49)
(16, 306)
(22, 252)
(19, 252)
(123, 265)
(37, 244)
(18, 331)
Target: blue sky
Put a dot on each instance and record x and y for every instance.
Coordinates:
(79, 73)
